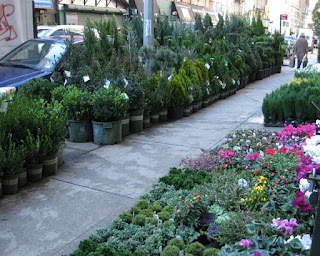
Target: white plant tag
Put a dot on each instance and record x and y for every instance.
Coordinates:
(68, 73)
(86, 78)
(106, 83)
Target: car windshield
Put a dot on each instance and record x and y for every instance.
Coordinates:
(43, 32)
(34, 54)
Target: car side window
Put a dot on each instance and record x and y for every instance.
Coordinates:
(59, 32)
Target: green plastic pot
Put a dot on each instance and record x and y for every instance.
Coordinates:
(34, 172)
(136, 121)
(50, 165)
(10, 184)
(80, 131)
(107, 133)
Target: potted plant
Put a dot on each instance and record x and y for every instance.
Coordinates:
(79, 113)
(12, 164)
(178, 96)
(53, 131)
(109, 107)
(136, 96)
(158, 93)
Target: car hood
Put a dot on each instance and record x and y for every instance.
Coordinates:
(14, 77)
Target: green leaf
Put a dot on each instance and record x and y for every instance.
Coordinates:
(295, 244)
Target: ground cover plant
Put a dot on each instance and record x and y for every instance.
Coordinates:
(252, 204)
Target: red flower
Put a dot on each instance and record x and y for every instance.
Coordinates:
(270, 151)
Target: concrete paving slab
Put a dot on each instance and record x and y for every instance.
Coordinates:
(97, 183)
(50, 214)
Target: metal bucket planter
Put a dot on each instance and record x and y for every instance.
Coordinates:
(10, 184)
(279, 68)
(50, 165)
(154, 118)
(34, 172)
(146, 122)
(22, 178)
(1, 192)
(259, 75)
(246, 80)
(252, 77)
(205, 103)
(60, 156)
(187, 111)
(80, 131)
(125, 126)
(163, 115)
(136, 121)
(175, 112)
(107, 133)
(194, 108)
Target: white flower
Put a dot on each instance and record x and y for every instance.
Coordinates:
(304, 185)
(261, 153)
(236, 148)
(316, 159)
(305, 241)
(318, 122)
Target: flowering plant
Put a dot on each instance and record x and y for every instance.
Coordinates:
(189, 210)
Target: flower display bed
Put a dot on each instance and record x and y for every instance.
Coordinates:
(244, 197)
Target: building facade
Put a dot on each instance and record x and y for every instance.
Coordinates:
(285, 15)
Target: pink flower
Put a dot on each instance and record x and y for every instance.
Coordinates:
(284, 226)
(226, 153)
(252, 157)
(256, 253)
(245, 242)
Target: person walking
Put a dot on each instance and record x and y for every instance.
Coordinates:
(301, 49)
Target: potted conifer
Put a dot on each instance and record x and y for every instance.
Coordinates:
(110, 106)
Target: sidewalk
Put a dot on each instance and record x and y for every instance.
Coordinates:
(97, 183)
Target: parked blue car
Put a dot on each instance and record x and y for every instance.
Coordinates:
(37, 57)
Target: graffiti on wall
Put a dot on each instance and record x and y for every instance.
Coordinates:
(7, 31)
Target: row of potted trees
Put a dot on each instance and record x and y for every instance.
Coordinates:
(293, 102)
(32, 132)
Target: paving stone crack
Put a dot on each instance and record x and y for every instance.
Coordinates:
(99, 190)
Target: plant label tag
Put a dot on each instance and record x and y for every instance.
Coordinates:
(65, 82)
(68, 73)
(106, 83)
(86, 78)
(125, 82)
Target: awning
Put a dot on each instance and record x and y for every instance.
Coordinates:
(140, 5)
(43, 4)
(183, 11)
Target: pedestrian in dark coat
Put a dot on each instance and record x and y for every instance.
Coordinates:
(301, 48)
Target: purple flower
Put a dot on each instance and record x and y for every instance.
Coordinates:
(284, 226)
(299, 202)
(245, 242)
(256, 253)
(181, 227)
